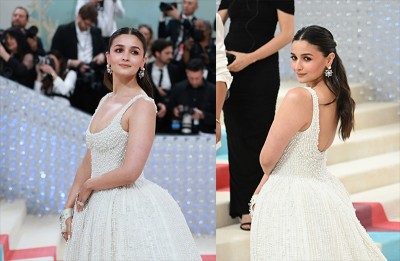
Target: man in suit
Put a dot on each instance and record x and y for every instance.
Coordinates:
(180, 27)
(163, 75)
(19, 19)
(82, 45)
(195, 97)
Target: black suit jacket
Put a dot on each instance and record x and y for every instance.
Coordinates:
(66, 41)
(202, 98)
(174, 75)
(172, 29)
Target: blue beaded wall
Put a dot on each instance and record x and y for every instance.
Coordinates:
(43, 142)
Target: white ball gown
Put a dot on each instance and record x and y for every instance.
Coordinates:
(303, 212)
(135, 222)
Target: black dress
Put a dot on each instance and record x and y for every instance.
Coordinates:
(250, 109)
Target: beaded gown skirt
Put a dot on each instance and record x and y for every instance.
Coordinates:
(135, 222)
(303, 212)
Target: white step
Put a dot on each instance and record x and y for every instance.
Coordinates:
(375, 114)
(368, 173)
(12, 217)
(233, 244)
(44, 230)
(365, 143)
(222, 210)
(388, 196)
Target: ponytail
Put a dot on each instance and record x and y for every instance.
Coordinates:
(338, 85)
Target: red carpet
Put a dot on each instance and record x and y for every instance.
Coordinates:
(46, 252)
(372, 216)
(209, 257)
(27, 252)
(222, 177)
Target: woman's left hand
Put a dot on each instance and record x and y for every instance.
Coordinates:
(83, 196)
(242, 61)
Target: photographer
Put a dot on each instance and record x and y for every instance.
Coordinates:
(53, 78)
(108, 11)
(20, 19)
(180, 27)
(195, 96)
(201, 45)
(82, 45)
(16, 58)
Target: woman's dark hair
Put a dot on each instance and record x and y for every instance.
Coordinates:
(337, 83)
(145, 82)
(23, 47)
(48, 81)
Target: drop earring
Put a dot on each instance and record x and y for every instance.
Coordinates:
(328, 72)
(141, 72)
(109, 70)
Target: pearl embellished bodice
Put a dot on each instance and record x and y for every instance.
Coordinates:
(108, 145)
(301, 157)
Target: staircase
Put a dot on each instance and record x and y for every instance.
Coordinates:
(30, 238)
(27, 237)
(368, 165)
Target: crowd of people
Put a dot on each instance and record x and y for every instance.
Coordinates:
(180, 61)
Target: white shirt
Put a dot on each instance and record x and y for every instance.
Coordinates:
(64, 87)
(106, 17)
(223, 75)
(85, 45)
(155, 75)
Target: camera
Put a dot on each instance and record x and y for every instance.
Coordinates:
(165, 7)
(188, 126)
(45, 60)
(89, 77)
(100, 5)
(31, 32)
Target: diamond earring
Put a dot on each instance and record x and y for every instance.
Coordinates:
(328, 72)
(109, 70)
(141, 72)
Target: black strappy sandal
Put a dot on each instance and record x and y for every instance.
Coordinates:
(244, 224)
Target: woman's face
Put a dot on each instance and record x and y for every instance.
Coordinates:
(146, 33)
(126, 55)
(308, 62)
(11, 43)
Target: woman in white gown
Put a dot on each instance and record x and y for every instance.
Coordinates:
(301, 211)
(118, 214)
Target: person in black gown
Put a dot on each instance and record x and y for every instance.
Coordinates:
(250, 109)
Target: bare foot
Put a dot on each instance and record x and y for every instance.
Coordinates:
(245, 219)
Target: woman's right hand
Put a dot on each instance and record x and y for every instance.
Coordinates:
(68, 233)
(241, 61)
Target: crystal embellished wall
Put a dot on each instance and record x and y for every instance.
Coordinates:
(368, 37)
(42, 143)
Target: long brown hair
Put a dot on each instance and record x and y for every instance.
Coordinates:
(337, 83)
(145, 82)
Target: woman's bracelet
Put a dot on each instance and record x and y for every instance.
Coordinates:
(65, 214)
(252, 203)
(218, 121)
